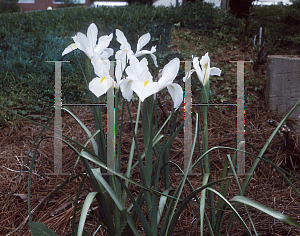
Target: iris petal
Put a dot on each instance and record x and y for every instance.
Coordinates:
(99, 87)
(144, 91)
(92, 33)
(143, 40)
(176, 93)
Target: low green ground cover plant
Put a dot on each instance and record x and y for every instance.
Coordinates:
(9, 6)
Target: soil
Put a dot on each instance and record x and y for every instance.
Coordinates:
(266, 185)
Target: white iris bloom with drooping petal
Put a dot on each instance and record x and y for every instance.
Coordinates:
(139, 80)
(125, 51)
(169, 73)
(143, 40)
(205, 71)
(103, 82)
(87, 43)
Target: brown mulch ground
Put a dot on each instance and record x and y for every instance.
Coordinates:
(266, 185)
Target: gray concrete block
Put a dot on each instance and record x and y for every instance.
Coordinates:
(283, 85)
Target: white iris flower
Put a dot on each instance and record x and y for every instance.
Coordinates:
(87, 43)
(125, 51)
(99, 85)
(139, 80)
(205, 71)
(169, 73)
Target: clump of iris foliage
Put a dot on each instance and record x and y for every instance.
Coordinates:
(28, 40)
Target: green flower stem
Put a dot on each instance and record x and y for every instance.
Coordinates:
(147, 121)
(204, 100)
(130, 160)
(210, 195)
(205, 139)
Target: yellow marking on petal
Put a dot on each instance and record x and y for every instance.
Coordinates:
(145, 83)
(102, 79)
(73, 45)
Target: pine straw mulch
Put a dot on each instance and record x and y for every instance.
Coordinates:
(266, 185)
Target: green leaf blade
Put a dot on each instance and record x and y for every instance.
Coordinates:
(277, 215)
(40, 229)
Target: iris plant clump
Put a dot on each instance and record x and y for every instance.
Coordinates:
(132, 75)
(157, 206)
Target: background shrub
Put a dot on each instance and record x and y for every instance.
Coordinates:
(9, 6)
